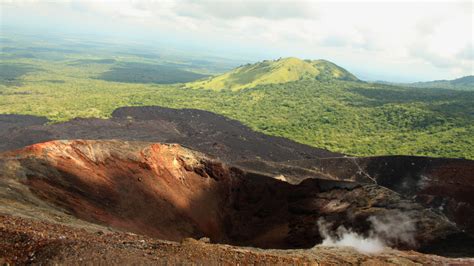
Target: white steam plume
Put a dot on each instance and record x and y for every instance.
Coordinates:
(391, 229)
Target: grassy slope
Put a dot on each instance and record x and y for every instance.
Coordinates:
(273, 72)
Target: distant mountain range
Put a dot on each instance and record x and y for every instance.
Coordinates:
(466, 82)
(274, 72)
(463, 83)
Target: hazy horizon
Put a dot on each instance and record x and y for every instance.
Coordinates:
(396, 42)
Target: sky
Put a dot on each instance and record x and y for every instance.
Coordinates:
(401, 41)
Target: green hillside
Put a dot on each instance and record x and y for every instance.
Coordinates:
(274, 72)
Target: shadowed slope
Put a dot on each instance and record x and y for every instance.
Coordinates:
(445, 185)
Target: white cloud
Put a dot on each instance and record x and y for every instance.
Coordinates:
(274, 10)
(400, 37)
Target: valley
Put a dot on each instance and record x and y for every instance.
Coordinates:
(312, 102)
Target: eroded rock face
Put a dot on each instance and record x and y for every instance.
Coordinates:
(170, 192)
(445, 185)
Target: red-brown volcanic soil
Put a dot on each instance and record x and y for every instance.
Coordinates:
(172, 193)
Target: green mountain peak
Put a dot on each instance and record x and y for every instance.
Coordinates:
(278, 71)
